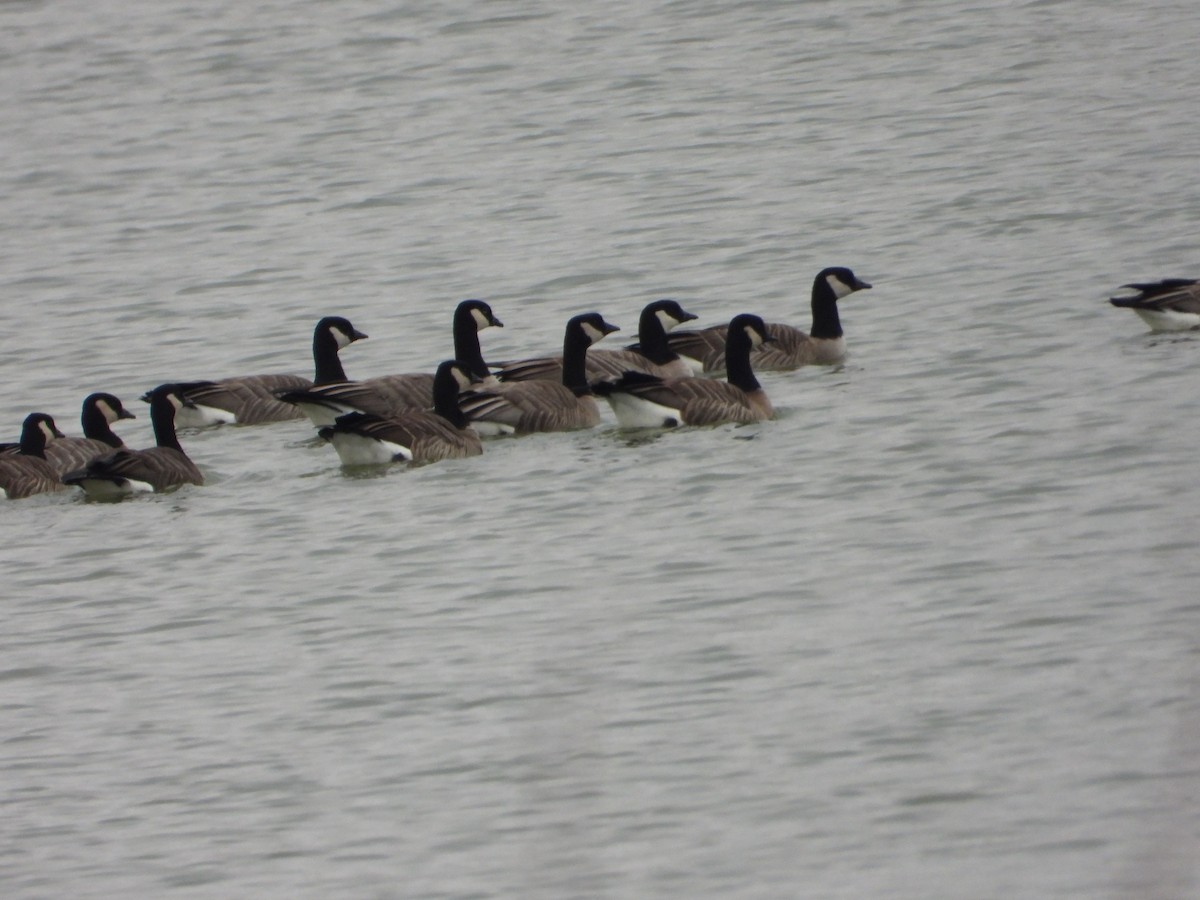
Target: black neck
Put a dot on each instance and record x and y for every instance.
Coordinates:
(737, 361)
(575, 347)
(162, 418)
(33, 442)
(652, 339)
(825, 323)
(96, 427)
(325, 357)
(445, 399)
(466, 342)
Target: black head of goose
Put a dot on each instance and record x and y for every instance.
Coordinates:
(523, 407)
(823, 344)
(1172, 304)
(99, 413)
(362, 439)
(644, 401)
(651, 354)
(389, 395)
(251, 399)
(28, 472)
(158, 468)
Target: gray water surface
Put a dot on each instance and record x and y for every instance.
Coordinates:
(929, 634)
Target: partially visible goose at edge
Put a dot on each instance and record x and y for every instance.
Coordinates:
(652, 354)
(524, 407)
(643, 401)
(99, 412)
(28, 472)
(251, 399)
(790, 348)
(389, 395)
(158, 468)
(362, 439)
(1172, 304)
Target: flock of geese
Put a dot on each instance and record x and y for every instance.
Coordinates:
(664, 380)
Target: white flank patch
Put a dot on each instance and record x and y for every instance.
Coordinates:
(492, 429)
(695, 365)
(634, 412)
(199, 416)
(356, 450)
(107, 489)
(323, 414)
(1168, 319)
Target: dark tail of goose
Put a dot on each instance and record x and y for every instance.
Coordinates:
(154, 469)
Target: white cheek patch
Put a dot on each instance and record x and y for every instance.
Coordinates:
(340, 337)
(110, 414)
(464, 380)
(840, 288)
(594, 334)
(756, 339)
(480, 319)
(47, 431)
(667, 320)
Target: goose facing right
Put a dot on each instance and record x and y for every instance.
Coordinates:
(252, 399)
(824, 343)
(389, 395)
(100, 411)
(416, 436)
(1172, 304)
(651, 354)
(154, 469)
(524, 407)
(644, 401)
(28, 472)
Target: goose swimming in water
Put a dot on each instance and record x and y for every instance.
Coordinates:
(824, 343)
(158, 468)
(1172, 304)
(644, 401)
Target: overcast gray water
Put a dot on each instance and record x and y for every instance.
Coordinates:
(932, 633)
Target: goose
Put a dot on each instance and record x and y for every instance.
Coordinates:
(644, 401)
(362, 439)
(251, 399)
(790, 348)
(651, 354)
(389, 395)
(523, 407)
(99, 412)
(158, 468)
(1172, 304)
(29, 472)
